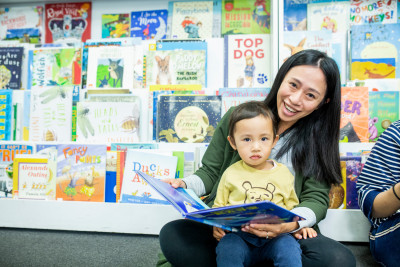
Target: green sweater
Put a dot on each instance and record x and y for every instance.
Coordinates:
(220, 155)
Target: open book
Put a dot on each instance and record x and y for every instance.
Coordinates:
(230, 218)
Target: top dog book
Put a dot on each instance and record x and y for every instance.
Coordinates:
(230, 218)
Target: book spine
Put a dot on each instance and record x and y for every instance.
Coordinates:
(226, 57)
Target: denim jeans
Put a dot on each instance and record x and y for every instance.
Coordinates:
(234, 250)
(385, 242)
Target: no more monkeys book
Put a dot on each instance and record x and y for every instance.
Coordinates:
(230, 218)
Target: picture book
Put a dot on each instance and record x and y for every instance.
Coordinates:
(114, 122)
(354, 115)
(340, 54)
(380, 84)
(248, 60)
(374, 51)
(112, 67)
(328, 16)
(126, 146)
(176, 67)
(134, 188)
(26, 114)
(246, 16)
(8, 150)
(383, 110)
(187, 118)
(11, 67)
(50, 152)
(68, 22)
(115, 25)
(231, 97)
(354, 166)
(337, 194)
(372, 12)
(230, 218)
(294, 16)
(81, 172)
(150, 24)
(111, 177)
(6, 114)
(51, 114)
(22, 23)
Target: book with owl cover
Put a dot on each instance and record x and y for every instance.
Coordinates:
(230, 218)
(247, 60)
(149, 24)
(11, 67)
(187, 118)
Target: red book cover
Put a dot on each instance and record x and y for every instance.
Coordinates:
(68, 22)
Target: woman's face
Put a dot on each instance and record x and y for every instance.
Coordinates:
(300, 93)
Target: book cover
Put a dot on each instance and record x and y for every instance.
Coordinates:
(134, 188)
(328, 16)
(68, 22)
(337, 194)
(246, 16)
(111, 177)
(115, 25)
(176, 67)
(372, 12)
(374, 51)
(51, 114)
(294, 16)
(126, 146)
(11, 67)
(353, 169)
(6, 114)
(23, 23)
(150, 24)
(354, 115)
(81, 172)
(231, 97)
(114, 122)
(230, 218)
(26, 115)
(187, 118)
(115, 67)
(247, 60)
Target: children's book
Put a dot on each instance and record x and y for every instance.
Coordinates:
(246, 16)
(11, 67)
(51, 114)
(294, 16)
(126, 146)
(6, 114)
(134, 188)
(374, 51)
(111, 176)
(354, 115)
(187, 118)
(23, 23)
(354, 166)
(115, 25)
(150, 24)
(81, 171)
(373, 12)
(230, 218)
(248, 60)
(68, 22)
(328, 16)
(337, 194)
(231, 97)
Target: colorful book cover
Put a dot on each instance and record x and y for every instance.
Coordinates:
(340, 54)
(126, 146)
(115, 67)
(11, 67)
(111, 176)
(294, 16)
(114, 122)
(134, 188)
(337, 194)
(246, 16)
(81, 171)
(383, 110)
(54, 66)
(24, 23)
(248, 60)
(7, 154)
(68, 22)
(6, 114)
(353, 169)
(51, 114)
(176, 67)
(354, 115)
(375, 51)
(328, 16)
(150, 24)
(115, 25)
(187, 118)
(231, 97)
(230, 218)
(372, 12)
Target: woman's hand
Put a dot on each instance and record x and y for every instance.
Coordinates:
(270, 230)
(175, 182)
(304, 233)
(218, 233)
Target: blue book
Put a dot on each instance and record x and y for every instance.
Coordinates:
(151, 24)
(10, 67)
(230, 218)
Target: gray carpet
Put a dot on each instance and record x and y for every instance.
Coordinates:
(26, 247)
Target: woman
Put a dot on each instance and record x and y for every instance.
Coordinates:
(305, 97)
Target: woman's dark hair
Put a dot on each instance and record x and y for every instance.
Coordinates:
(314, 139)
(249, 110)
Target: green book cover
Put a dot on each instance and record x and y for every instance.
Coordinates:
(181, 163)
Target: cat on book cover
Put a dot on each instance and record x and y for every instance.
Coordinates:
(163, 75)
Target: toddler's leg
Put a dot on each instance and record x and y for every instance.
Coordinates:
(284, 250)
(232, 251)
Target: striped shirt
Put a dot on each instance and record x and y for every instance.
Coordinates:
(381, 171)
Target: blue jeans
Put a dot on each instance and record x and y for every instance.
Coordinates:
(234, 250)
(385, 242)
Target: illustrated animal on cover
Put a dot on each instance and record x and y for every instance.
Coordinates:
(372, 75)
(296, 49)
(254, 194)
(373, 131)
(249, 70)
(349, 132)
(163, 75)
(115, 71)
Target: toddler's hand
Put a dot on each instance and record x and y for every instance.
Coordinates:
(304, 233)
(218, 233)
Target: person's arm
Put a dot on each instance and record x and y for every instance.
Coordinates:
(386, 203)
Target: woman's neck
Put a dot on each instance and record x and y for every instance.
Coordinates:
(283, 126)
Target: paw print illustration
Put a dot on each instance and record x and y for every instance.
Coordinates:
(262, 78)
